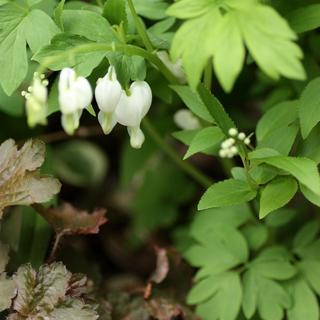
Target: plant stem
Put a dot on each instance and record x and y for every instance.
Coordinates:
(140, 27)
(106, 47)
(198, 176)
(208, 76)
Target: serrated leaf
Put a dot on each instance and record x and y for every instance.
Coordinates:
(309, 107)
(203, 140)
(192, 100)
(277, 194)
(68, 220)
(20, 181)
(18, 27)
(305, 304)
(226, 193)
(305, 18)
(216, 109)
(303, 169)
(220, 296)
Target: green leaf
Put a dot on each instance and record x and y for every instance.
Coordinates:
(227, 73)
(17, 28)
(192, 100)
(220, 295)
(57, 14)
(309, 195)
(185, 9)
(311, 271)
(306, 235)
(216, 110)
(62, 45)
(151, 9)
(193, 43)
(263, 294)
(303, 169)
(186, 136)
(256, 235)
(115, 12)
(80, 163)
(305, 18)
(305, 304)
(203, 140)
(226, 193)
(270, 42)
(309, 107)
(280, 217)
(277, 194)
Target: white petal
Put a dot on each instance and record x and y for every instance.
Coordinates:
(67, 77)
(185, 120)
(107, 121)
(108, 93)
(142, 93)
(68, 101)
(84, 92)
(136, 137)
(71, 121)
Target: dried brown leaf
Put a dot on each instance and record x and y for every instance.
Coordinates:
(162, 309)
(68, 220)
(20, 180)
(162, 267)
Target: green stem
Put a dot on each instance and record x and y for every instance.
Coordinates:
(171, 152)
(140, 27)
(125, 48)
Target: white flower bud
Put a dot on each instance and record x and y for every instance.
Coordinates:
(185, 120)
(227, 143)
(241, 136)
(175, 68)
(234, 150)
(36, 101)
(132, 109)
(71, 121)
(247, 141)
(233, 132)
(108, 92)
(74, 92)
(223, 153)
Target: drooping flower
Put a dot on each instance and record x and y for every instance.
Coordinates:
(107, 93)
(186, 120)
(75, 94)
(36, 100)
(132, 108)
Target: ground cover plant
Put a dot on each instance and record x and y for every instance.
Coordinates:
(159, 159)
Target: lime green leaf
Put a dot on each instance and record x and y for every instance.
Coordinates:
(305, 18)
(17, 28)
(305, 304)
(220, 295)
(303, 169)
(57, 14)
(205, 139)
(309, 107)
(228, 29)
(226, 193)
(309, 195)
(216, 109)
(192, 100)
(193, 42)
(277, 194)
(115, 12)
(151, 9)
(269, 40)
(185, 9)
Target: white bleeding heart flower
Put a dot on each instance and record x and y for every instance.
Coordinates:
(37, 100)
(132, 108)
(75, 94)
(175, 68)
(186, 120)
(107, 93)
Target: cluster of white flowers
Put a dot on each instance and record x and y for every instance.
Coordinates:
(36, 100)
(229, 147)
(116, 105)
